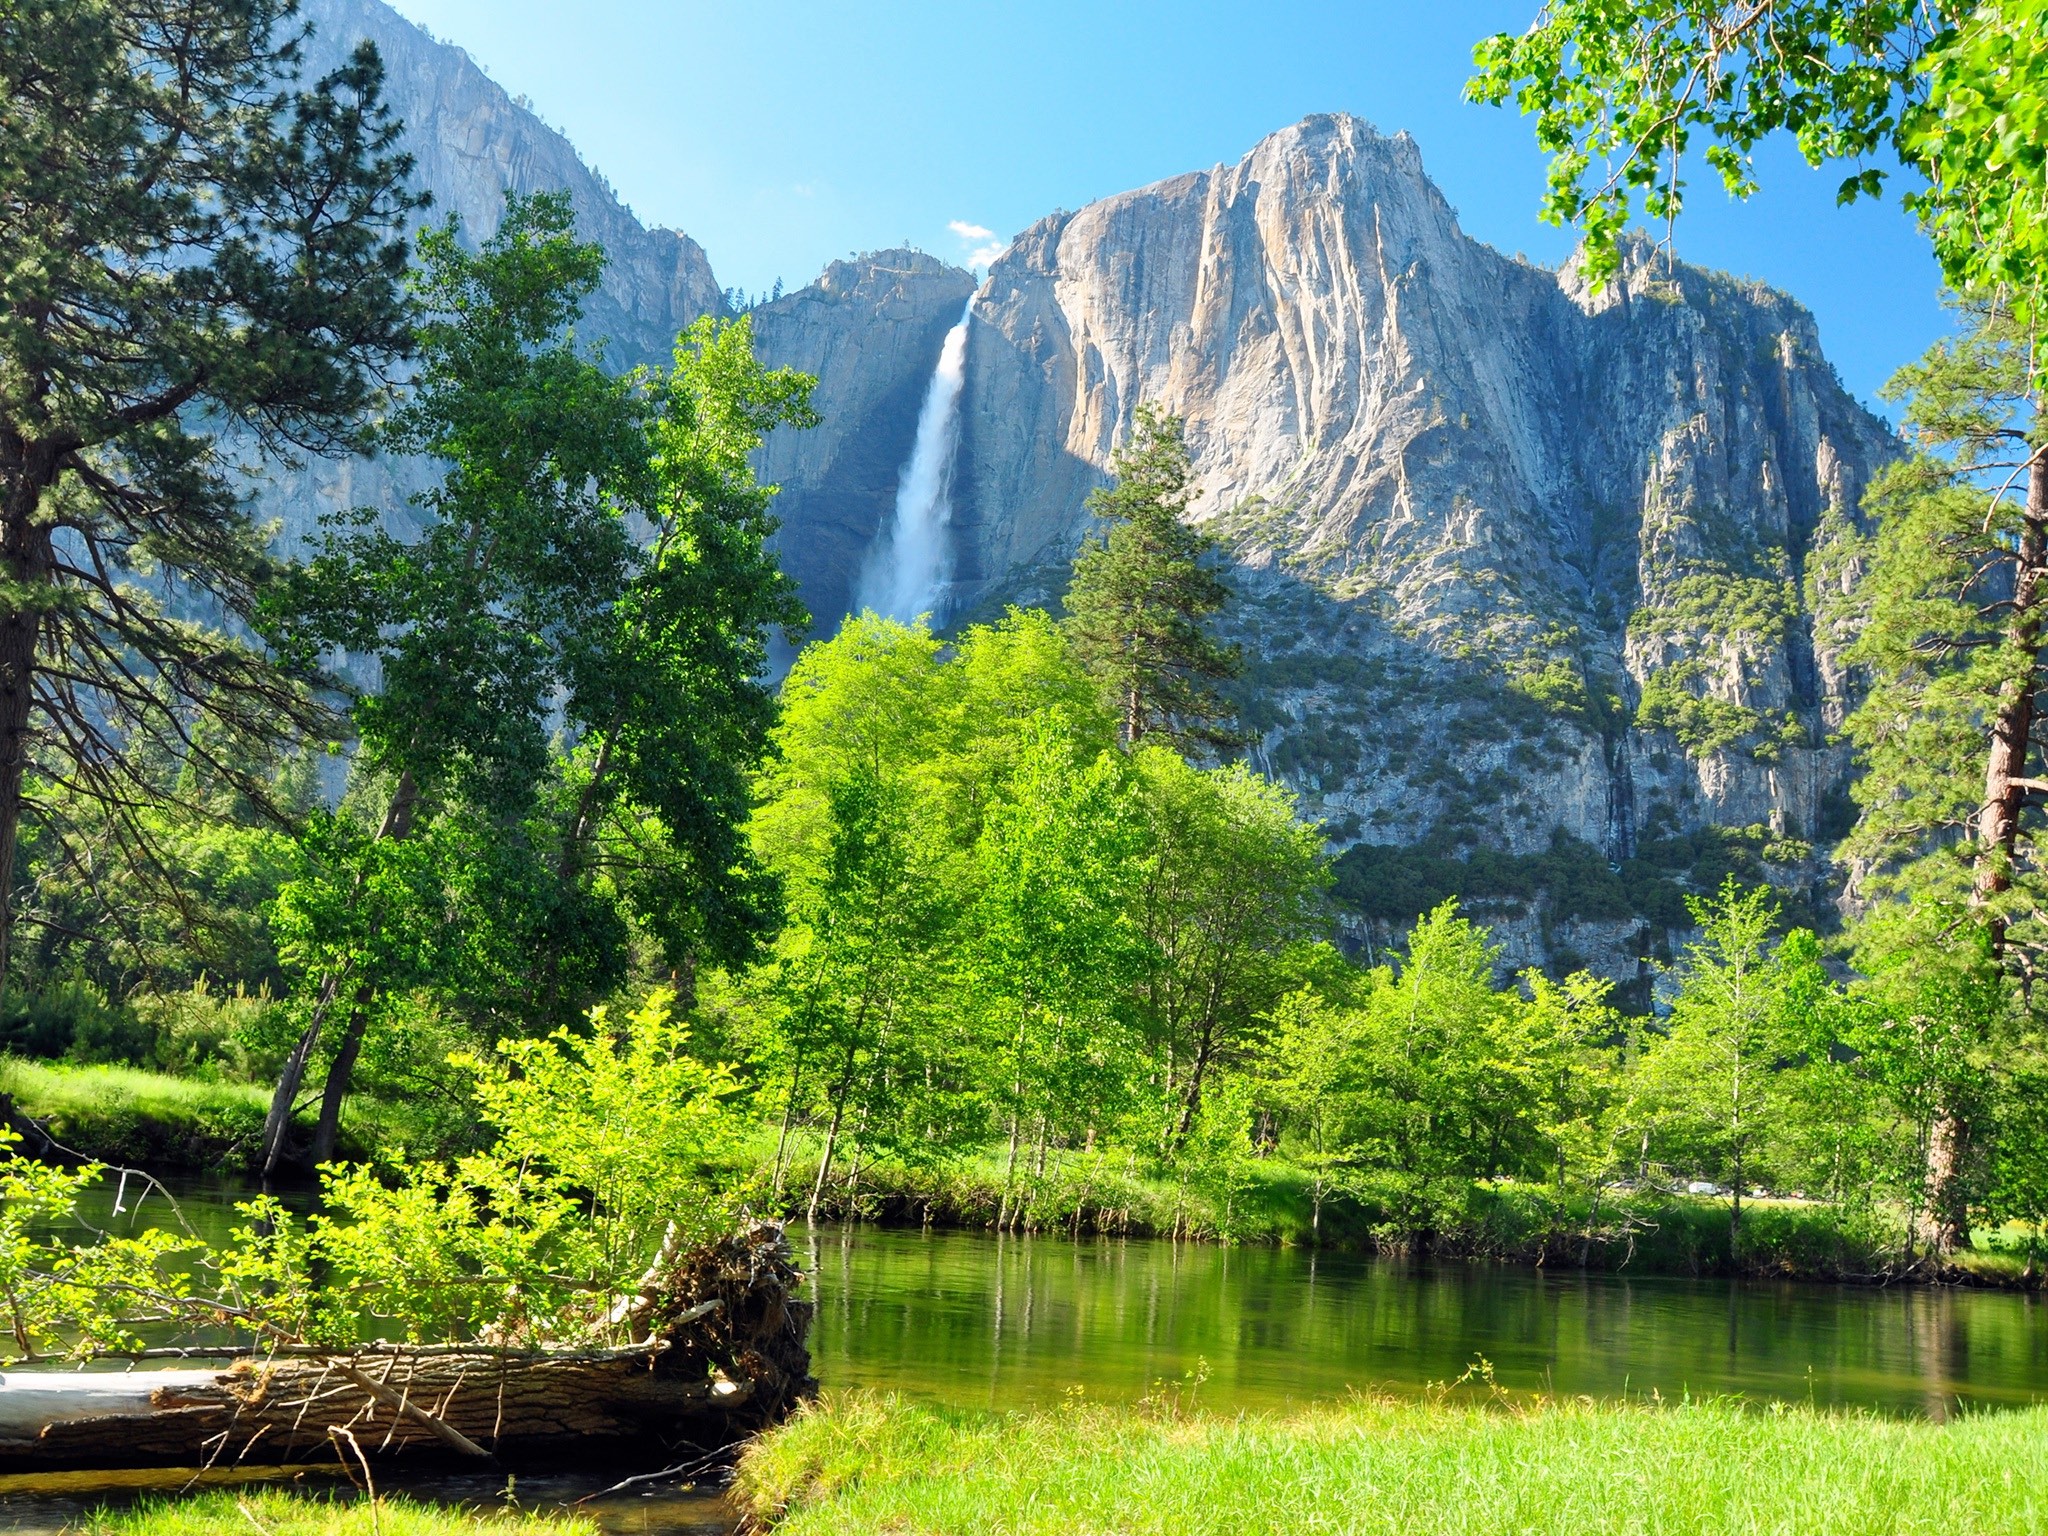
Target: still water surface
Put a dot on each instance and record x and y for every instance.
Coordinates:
(974, 1320)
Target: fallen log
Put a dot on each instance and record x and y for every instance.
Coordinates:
(726, 1358)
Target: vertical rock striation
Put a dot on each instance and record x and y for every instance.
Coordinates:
(1523, 567)
(473, 143)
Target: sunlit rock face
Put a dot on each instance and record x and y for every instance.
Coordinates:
(1517, 561)
(472, 143)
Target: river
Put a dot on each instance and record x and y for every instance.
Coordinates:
(972, 1320)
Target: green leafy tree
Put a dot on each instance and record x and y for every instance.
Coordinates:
(672, 694)
(203, 257)
(1050, 952)
(527, 592)
(602, 1171)
(1936, 1019)
(1229, 899)
(890, 755)
(1716, 1079)
(1622, 90)
(1309, 1071)
(523, 540)
(1141, 597)
(862, 962)
(1439, 1103)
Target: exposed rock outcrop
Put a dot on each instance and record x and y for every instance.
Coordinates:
(1519, 563)
(472, 143)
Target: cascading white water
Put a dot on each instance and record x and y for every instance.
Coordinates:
(906, 568)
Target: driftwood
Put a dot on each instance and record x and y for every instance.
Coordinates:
(729, 1360)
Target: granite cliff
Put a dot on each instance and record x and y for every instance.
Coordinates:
(1525, 573)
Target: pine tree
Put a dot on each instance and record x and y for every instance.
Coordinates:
(195, 245)
(1140, 596)
(1951, 614)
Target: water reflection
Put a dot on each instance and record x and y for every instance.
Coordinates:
(1001, 1322)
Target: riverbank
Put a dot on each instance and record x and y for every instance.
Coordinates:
(151, 1120)
(1269, 1201)
(855, 1464)
(177, 1125)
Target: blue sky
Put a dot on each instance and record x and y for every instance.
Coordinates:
(782, 135)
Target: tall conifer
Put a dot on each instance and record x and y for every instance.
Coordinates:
(193, 242)
(1141, 596)
(1950, 610)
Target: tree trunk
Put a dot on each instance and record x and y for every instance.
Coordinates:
(27, 559)
(796, 1073)
(1191, 1098)
(1998, 824)
(1944, 1224)
(832, 1133)
(278, 1121)
(2005, 773)
(339, 1073)
(1009, 1176)
(397, 825)
(716, 1374)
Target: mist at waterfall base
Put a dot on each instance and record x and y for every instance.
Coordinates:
(907, 567)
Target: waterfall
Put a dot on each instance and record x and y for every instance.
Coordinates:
(907, 566)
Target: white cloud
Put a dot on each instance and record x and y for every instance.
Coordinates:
(987, 244)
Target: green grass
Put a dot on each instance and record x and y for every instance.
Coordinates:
(270, 1512)
(151, 1120)
(859, 1463)
(1092, 1193)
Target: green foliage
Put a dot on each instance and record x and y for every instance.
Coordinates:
(1435, 1077)
(211, 251)
(1140, 599)
(1948, 638)
(58, 1296)
(1714, 1082)
(230, 1512)
(605, 1154)
(1050, 948)
(1230, 903)
(999, 926)
(607, 1163)
(1748, 619)
(1933, 638)
(556, 762)
(1398, 882)
(1978, 136)
(1958, 92)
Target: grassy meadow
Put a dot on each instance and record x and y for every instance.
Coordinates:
(858, 1464)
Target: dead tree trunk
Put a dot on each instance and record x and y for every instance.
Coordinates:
(727, 1364)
